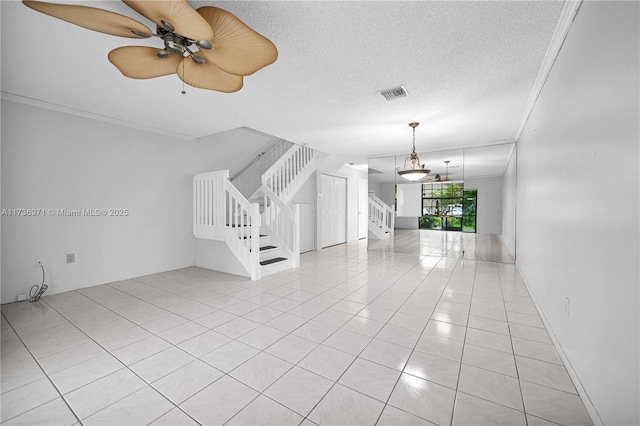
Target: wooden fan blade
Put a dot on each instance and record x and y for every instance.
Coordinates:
(141, 62)
(237, 48)
(208, 76)
(93, 19)
(184, 19)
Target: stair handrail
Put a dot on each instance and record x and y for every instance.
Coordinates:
(255, 160)
(283, 222)
(249, 178)
(282, 176)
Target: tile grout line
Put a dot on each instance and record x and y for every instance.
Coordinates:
(135, 324)
(353, 361)
(524, 408)
(350, 272)
(419, 337)
(116, 358)
(45, 374)
(464, 341)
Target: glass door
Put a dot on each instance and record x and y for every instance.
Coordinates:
(469, 209)
(442, 206)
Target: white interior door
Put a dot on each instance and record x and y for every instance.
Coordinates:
(363, 207)
(333, 210)
(339, 210)
(326, 210)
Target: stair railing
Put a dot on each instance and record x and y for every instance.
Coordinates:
(221, 212)
(381, 216)
(283, 222)
(287, 175)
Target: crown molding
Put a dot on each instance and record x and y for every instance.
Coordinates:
(565, 20)
(90, 115)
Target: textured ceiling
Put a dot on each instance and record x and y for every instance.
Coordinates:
(468, 67)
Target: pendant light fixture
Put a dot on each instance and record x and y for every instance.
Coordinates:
(412, 169)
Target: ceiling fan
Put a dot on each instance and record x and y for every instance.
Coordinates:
(439, 178)
(228, 49)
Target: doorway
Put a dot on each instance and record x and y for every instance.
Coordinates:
(333, 210)
(363, 208)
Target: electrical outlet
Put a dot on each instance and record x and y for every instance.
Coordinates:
(71, 258)
(22, 297)
(567, 306)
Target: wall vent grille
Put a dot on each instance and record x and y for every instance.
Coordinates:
(394, 93)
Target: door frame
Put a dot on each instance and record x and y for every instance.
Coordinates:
(319, 174)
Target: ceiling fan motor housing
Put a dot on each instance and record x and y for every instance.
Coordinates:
(173, 42)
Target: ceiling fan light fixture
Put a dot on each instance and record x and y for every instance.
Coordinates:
(167, 26)
(446, 176)
(197, 59)
(204, 44)
(438, 178)
(412, 170)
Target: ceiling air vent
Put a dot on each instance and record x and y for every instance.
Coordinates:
(394, 93)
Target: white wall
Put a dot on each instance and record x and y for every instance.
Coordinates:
(509, 205)
(577, 205)
(216, 255)
(308, 224)
(409, 200)
(409, 205)
(489, 207)
(53, 160)
(231, 150)
(388, 193)
(375, 187)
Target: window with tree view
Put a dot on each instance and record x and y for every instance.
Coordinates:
(447, 206)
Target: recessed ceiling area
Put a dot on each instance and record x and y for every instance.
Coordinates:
(468, 67)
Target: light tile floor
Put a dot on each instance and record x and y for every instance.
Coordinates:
(353, 336)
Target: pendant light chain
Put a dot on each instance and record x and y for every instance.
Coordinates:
(414, 139)
(184, 92)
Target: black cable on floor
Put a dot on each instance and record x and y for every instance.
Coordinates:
(35, 296)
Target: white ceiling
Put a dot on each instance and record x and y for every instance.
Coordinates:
(468, 66)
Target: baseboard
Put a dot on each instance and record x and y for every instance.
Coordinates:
(582, 392)
(55, 288)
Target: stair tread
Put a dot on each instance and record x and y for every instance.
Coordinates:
(271, 261)
(263, 248)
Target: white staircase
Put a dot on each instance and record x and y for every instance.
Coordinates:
(381, 218)
(263, 232)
